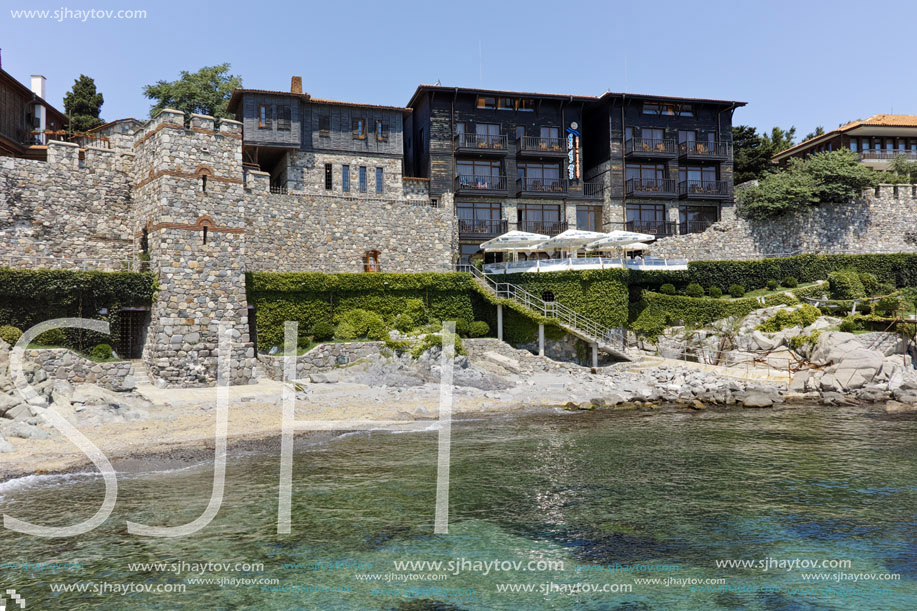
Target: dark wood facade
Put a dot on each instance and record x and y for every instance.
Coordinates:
(17, 125)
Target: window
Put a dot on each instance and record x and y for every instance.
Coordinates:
(520, 132)
(549, 132)
(589, 218)
(362, 179)
(203, 184)
(283, 118)
(480, 174)
(685, 110)
(264, 117)
(371, 261)
(345, 178)
(550, 139)
(527, 105)
(689, 136)
(324, 126)
(646, 218)
(485, 101)
(506, 104)
(697, 175)
(538, 176)
(540, 218)
(380, 182)
(420, 142)
(328, 177)
(488, 135)
(381, 131)
(359, 129)
(652, 133)
(665, 110)
(693, 219)
(853, 145)
(628, 133)
(648, 176)
(460, 128)
(479, 218)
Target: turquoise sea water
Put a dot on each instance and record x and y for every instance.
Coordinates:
(580, 508)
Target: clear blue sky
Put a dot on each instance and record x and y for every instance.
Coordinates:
(802, 63)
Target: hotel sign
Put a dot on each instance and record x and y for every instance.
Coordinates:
(573, 152)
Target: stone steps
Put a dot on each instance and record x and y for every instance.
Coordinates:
(141, 374)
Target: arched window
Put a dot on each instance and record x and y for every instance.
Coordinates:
(371, 261)
(145, 241)
(205, 234)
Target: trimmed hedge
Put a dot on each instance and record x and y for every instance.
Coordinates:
(28, 297)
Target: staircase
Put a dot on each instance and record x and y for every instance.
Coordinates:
(141, 374)
(609, 340)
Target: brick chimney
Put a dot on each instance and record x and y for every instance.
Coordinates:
(296, 84)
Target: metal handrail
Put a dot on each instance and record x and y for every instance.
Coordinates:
(665, 146)
(540, 144)
(579, 324)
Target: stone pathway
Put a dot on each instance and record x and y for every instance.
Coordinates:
(264, 390)
(757, 374)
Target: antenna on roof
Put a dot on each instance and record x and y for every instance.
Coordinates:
(437, 83)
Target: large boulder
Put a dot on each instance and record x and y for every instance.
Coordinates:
(832, 346)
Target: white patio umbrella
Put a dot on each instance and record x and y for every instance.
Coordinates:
(618, 237)
(514, 241)
(570, 240)
(635, 246)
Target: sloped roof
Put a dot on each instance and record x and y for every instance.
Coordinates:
(237, 94)
(873, 121)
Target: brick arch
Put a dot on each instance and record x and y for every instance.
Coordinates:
(204, 221)
(204, 170)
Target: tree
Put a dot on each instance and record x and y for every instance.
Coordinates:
(206, 91)
(752, 152)
(818, 132)
(83, 104)
(829, 177)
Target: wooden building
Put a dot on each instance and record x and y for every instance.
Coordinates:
(27, 121)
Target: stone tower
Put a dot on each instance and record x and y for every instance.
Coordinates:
(188, 215)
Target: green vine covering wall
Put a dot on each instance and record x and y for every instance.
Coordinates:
(28, 297)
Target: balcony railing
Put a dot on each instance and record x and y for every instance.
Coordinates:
(474, 182)
(705, 150)
(594, 190)
(546, 186)
(481, 228)
(650, 187)
(886, 154)
(703, 188)
(693, 226)
(481, 142)
(550, 228)
(657, 228)
(538, 145)
(649, 147)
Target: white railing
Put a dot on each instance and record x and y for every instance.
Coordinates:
(581, 263)
(578, 324)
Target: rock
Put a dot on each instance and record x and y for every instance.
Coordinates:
(798, 384)
(757, 399)
(324, 378)
(26, 431)
(20, 412)
(8, 402)
(833, 346)
(504, 361)
(696, 404)
(828, 383)
(894, 407)
(5, 446)
(905, 396)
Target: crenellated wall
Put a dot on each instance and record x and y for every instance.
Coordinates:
(882, 221)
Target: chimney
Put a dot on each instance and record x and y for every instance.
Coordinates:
(296, 84)
(38, 85)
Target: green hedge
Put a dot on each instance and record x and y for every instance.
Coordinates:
(310, 298)
(28, 297)
(897, 269)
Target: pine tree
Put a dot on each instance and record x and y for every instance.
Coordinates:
(83, 104)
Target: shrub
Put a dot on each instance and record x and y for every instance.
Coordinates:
(802, 316)
(888, 306)
(885, 288)
(846, 284)
(667, 289)
(737, 290)
(54, 337)
(790, 282)
(478, 328)
(801, 340)
(772, 285)
(849, 325)
(10, 334)
(413, 316)
(102, 352)
(870, 283)
(355, 324)
(462, 327)
(694, 290)
(430, 340)
(322, 331)
(715, 292)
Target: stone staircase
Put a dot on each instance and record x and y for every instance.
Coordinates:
(607, 339)
(141, 374)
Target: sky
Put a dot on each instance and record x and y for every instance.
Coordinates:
(804, 63)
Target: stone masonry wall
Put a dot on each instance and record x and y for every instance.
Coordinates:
(306, 174)
(323, 357)
(61, 364)
(63, 213)
(881, 222)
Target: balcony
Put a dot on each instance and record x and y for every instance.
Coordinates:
(484, 185)
(693, 226)
(704, 151)
(535, 146)
(660, 229)
(703, 189)
(649, 148)
(544, 187)
(484, 229)
(492, 144)
(650, 187)
(549, 228)
(594, 190)
(879, 154)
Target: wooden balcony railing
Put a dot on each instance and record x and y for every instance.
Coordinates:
(703, 188)
(649, 147)
(650, 187)
(705, 150)
(474, 182)
(886, 154)
(481, 142)
(481, 228)
(541, 185)
(549, 228)
(536, 144)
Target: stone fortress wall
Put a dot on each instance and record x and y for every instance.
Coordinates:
(882, 221)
